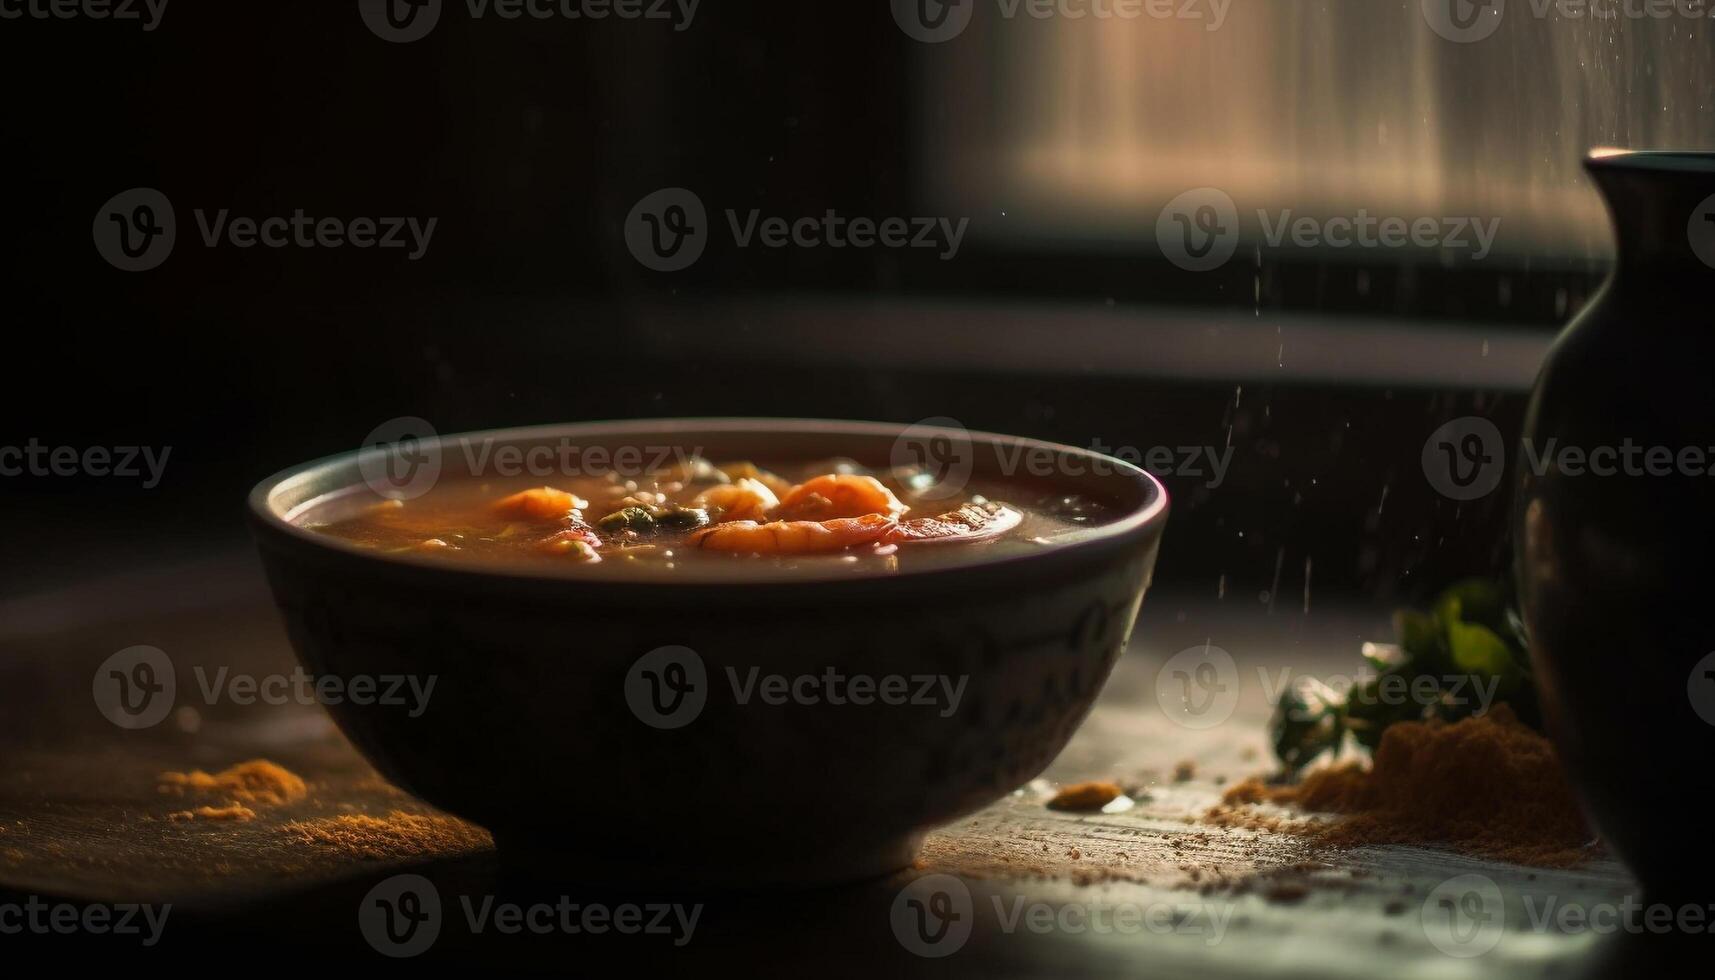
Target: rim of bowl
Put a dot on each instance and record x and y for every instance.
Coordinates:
(1153, 510)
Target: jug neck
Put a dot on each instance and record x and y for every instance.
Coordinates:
(1663, 210)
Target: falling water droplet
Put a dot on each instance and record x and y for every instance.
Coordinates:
(1274, 589)
(1306, 585)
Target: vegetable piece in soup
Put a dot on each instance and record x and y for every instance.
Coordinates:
(699, 512)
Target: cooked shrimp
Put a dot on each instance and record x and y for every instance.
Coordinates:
(972, 522)
(744, 500)
(840, 495)
(794, 537)
(540, 504)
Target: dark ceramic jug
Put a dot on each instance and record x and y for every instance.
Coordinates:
(1615, 521)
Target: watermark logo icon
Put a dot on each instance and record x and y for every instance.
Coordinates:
(400, 21)
(1199, 230)
(1464, 21)
(1198, 687)
(1702, 231)
(134, 231)
(668, 230)
(932, 916)
(1465, 459)
(136, 687)
(936, 456)
(933, 21)
(1700, 688)
(1465, 916)
(401, 917)
(667, 687)
(401, 458)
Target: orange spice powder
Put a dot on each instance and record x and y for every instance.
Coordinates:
(235, 812)
(1487, 786)
(257, 781)
(359, 836)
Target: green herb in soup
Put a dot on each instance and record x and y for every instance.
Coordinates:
(698, 511)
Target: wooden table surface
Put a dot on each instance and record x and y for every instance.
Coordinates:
(1146, 892)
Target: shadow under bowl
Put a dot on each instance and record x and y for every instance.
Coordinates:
(612, 729)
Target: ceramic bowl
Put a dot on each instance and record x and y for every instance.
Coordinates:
(601, 725)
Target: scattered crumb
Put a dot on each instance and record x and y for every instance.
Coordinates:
(1085, 797)
(233, 812)
(1185, 771)
(257, 781)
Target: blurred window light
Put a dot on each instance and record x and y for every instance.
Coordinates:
(1092, 124)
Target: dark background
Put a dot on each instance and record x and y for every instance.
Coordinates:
(530, 141)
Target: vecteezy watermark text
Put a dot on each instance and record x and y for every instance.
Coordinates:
(1206, 919)
(148, 13)
(403, 917)
(833, 230)
(1206, 463)
(1199, 687)
(403, 21)
(402, 458)
(1468, 21)
(669, 229)
(668, 688)
(138, 686)
(1364, 230)
(38, 917)
(676, 922)
(1629, 915)
(1472, 691)
(934, 917)
(1200, 230)
(941, 453)
(1465, 459)
(935, 21)
(121, 462)
(567, 458)
(1468, 916)
(409, 691)
(835, 687)
(680, 12)
(136, 230)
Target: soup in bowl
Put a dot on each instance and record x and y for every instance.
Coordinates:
(715, 652)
